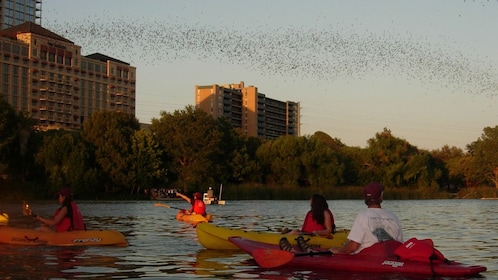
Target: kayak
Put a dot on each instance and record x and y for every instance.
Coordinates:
(216, 237)
(22, 236)
(379, 258)
(4, 219)
(193, 218)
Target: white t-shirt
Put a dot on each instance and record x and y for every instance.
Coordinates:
(373, 225)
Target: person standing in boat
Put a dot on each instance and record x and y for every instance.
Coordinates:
(66, 218)
(372, 225)
(319, 220)
(197, 204)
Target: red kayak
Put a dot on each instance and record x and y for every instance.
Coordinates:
(379, 258)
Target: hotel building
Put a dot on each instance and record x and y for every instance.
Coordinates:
(45, 75)
(15, 12)
(249, 110)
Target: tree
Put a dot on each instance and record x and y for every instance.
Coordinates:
(322, 162)
(8, 132)
(484, 163)
(393, 161)
(110, 133)
(193, 141)
(147, 166)
(66, 160)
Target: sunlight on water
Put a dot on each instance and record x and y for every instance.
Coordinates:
(162, 247)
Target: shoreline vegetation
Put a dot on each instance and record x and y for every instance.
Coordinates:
(22, 191)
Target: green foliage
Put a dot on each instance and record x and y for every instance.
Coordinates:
(193, 141)
(66, 159)
(147, 167)
(190, 150)
(484, 163)
(110, 134)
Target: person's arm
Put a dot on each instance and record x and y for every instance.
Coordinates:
(184, 197)
(348, 248)
(56, 220)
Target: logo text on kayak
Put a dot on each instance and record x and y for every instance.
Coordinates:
(393, 263)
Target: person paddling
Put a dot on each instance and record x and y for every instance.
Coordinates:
(197, 204)
(66, 218)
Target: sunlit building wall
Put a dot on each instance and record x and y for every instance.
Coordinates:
(249, 110)
(15, 12)
(45, 76)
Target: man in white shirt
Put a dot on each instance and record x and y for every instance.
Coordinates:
(371, 225)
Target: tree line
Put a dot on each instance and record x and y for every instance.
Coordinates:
(190, 150)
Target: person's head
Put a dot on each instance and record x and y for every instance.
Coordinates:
(373, 193)
(65, 194)
(318, 206)
(197, 195)
(318, 201)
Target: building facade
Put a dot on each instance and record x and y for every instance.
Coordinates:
(45, 75)
(15, 12)
(249, 110)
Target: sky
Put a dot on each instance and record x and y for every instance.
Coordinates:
(426, 70)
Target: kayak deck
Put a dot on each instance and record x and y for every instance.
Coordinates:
(21, 236)
(216, 237)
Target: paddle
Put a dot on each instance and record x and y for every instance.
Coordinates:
(26, 210)
(269, 258)
(166, 206)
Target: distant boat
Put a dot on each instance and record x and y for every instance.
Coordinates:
(164, 194)
(209, 197)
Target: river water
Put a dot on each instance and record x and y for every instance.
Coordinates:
(164, 248)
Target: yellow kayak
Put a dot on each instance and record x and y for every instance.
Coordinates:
(216, 237)
(22, 236)
(4, 219)
(193, 218)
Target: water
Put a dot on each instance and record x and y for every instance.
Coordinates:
(163, 248)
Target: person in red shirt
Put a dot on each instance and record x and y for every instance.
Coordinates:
(66, 218)
(197, 204)
(319, 220)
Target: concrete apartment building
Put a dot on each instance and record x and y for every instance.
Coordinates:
(249, 110)
(15, 12)
(45, 74)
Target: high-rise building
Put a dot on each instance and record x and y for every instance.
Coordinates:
(15, 12)
(249, 110)
(45, 75)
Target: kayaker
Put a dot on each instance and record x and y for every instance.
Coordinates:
(319, 220)
(372, 225)
(66, 218)
(197, 204)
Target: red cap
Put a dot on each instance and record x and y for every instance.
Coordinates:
(197, 195)
(373, 191)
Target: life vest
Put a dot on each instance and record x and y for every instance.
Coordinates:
(419, 250)
(198, 207)
(73, 219)
(311, 225)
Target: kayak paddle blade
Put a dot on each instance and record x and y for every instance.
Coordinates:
(269, 258)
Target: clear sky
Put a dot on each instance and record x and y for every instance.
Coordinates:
(427, 70)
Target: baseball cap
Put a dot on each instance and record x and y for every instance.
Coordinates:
(373, 191)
